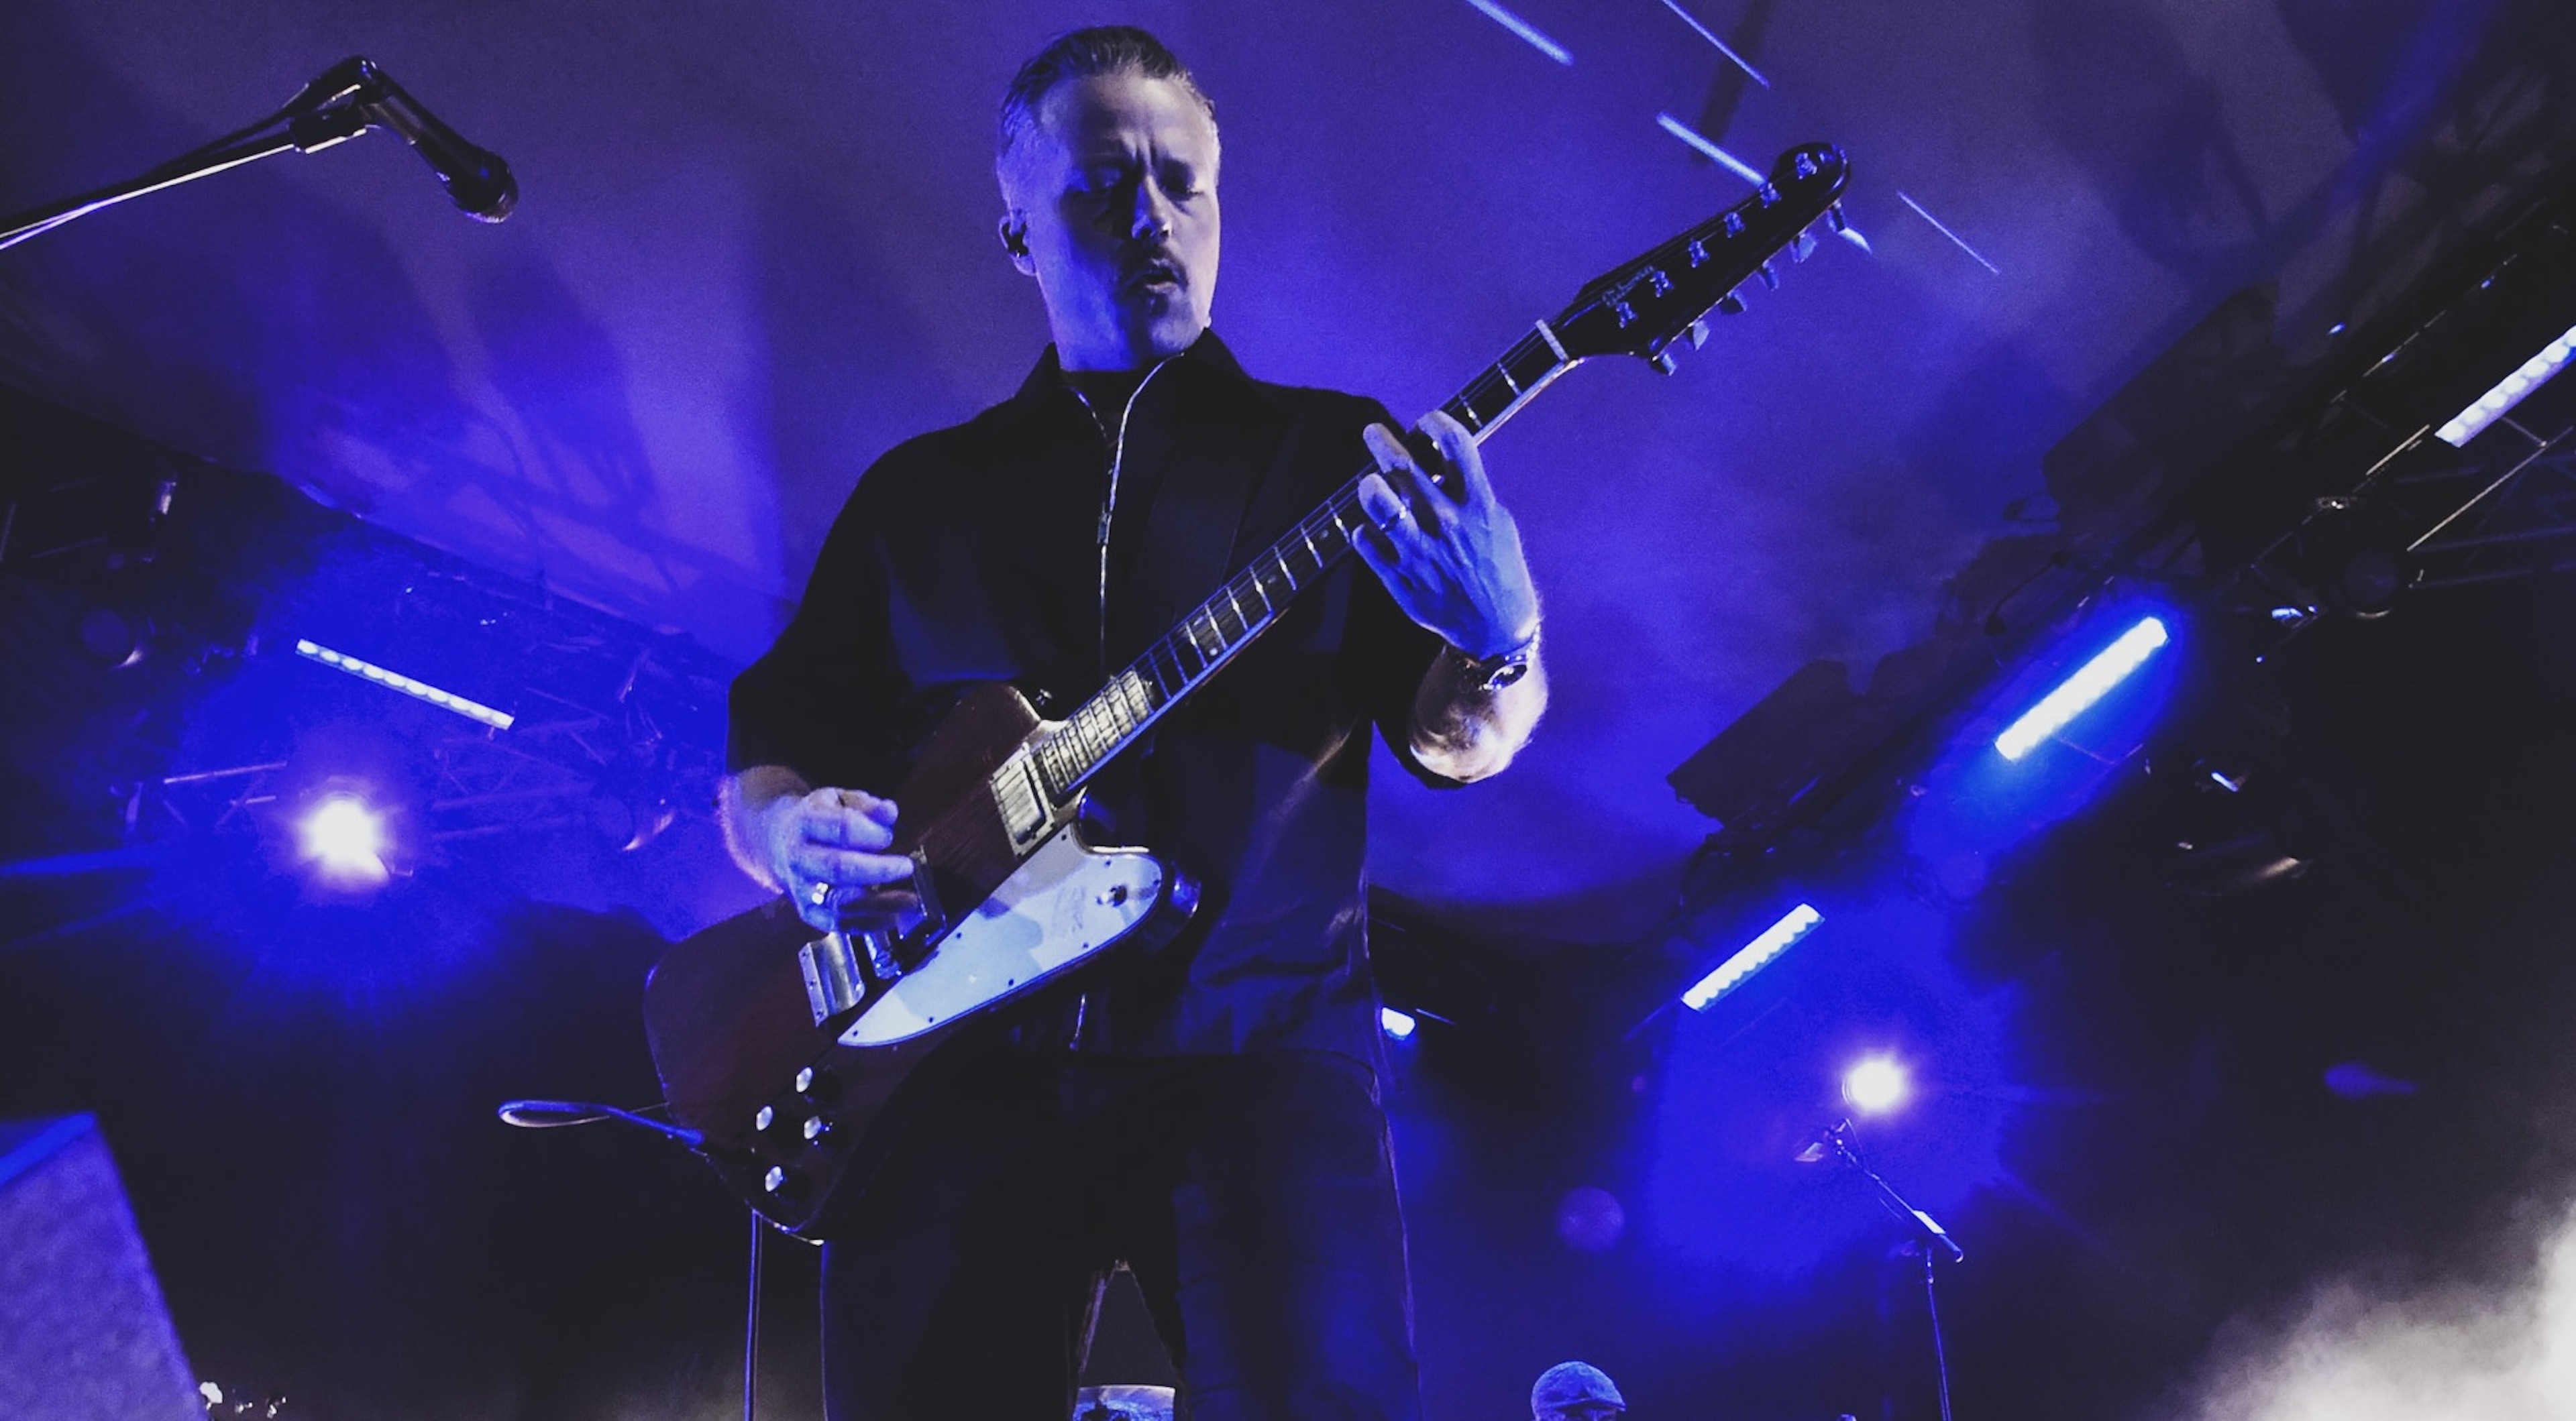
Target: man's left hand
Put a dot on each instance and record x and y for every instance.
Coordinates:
(1452, 561)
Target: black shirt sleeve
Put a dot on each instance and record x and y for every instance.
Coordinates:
(822, 700)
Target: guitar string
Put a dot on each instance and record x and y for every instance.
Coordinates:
(957, 828)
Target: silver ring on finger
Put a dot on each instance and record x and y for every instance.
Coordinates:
(820, 894)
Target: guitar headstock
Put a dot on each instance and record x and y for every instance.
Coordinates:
(1666, 295)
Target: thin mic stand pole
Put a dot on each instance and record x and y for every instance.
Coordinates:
(305, 133)
(1940, 1355)
(1931, 1234)
(751, 1327)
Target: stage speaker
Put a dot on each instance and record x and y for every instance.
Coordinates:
(83, 1335)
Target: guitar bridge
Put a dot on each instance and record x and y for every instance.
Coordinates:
(832, 981)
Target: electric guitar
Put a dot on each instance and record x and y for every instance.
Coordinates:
(782, 1045)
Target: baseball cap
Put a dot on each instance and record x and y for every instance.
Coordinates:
(1568, 1383)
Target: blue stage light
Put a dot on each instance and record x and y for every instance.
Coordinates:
(1399, 1026)
(1528, 32)
(1752, 957)
(396, 681)
(1875, 1085)
(1708, 149)
(344, 840)
(2509, 391)
(2078, 692)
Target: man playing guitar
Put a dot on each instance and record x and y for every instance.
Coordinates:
(1206, 1111)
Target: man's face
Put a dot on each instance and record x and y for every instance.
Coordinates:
(1113, 194)
(1588, 1411)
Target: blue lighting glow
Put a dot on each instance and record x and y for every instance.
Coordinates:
(1708, 149)
(1525, 30)
(345, 840)
(1399, 1026)
(2078, 692)
(396, 681)
(1752, 957)
(2495, 403)
(1875, 1085)
(1710, 35)
(1944, 229)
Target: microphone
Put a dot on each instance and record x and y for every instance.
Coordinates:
(476, 179)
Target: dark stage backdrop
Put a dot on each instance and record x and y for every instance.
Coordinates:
(2130, 1114)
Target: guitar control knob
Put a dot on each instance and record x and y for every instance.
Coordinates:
(774, 1182)
(805, 1081)
(766, 1118)
(816, 1127)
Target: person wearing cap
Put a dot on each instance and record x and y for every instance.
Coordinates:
(1576, 1391)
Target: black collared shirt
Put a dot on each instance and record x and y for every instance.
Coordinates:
(971, 554)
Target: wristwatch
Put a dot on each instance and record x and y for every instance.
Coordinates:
(1492, 673)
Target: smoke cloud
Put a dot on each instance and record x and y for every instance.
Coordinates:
(2453, 1355)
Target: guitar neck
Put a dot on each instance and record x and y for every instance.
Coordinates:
(1252, 600)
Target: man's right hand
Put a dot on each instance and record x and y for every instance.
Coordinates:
(812, 844)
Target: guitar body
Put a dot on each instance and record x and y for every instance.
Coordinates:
(784, 1045)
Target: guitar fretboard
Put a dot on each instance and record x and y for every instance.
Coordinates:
(1253, 599)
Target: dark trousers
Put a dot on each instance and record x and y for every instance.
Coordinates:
(1253, 1196)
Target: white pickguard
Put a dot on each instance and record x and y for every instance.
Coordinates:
(1068, 901)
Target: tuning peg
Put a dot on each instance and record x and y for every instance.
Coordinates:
(1802, 247)
(1770, 278)
(1732, 303)
(1664, 361)
(1698, 333)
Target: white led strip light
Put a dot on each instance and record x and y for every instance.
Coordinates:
(1752, 957)
(396, 681)
(2508, 392)
(2078, 692)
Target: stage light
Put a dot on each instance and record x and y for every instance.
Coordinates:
(1752, 957)
(396, 681)
(345, 840)
(1874, 1085)
(2508, 392)
(1398, 1025)
(1527, 32)
(2077, 693)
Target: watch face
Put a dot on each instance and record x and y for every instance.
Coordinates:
(1507, 673)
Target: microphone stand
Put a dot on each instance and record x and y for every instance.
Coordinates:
(328, 111)
(556, 1114)
(1930, 1234)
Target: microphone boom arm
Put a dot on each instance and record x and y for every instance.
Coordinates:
(343, 103)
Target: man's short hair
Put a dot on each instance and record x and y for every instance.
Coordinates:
(1081, 54)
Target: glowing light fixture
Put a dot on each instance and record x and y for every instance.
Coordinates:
(2495, 403)
(2077, 693)
(1708, 149)
(1752, 957)
(1528, 32)
(1875, 1085)
(1399, 1025)
(345, 840)
(396, 681)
